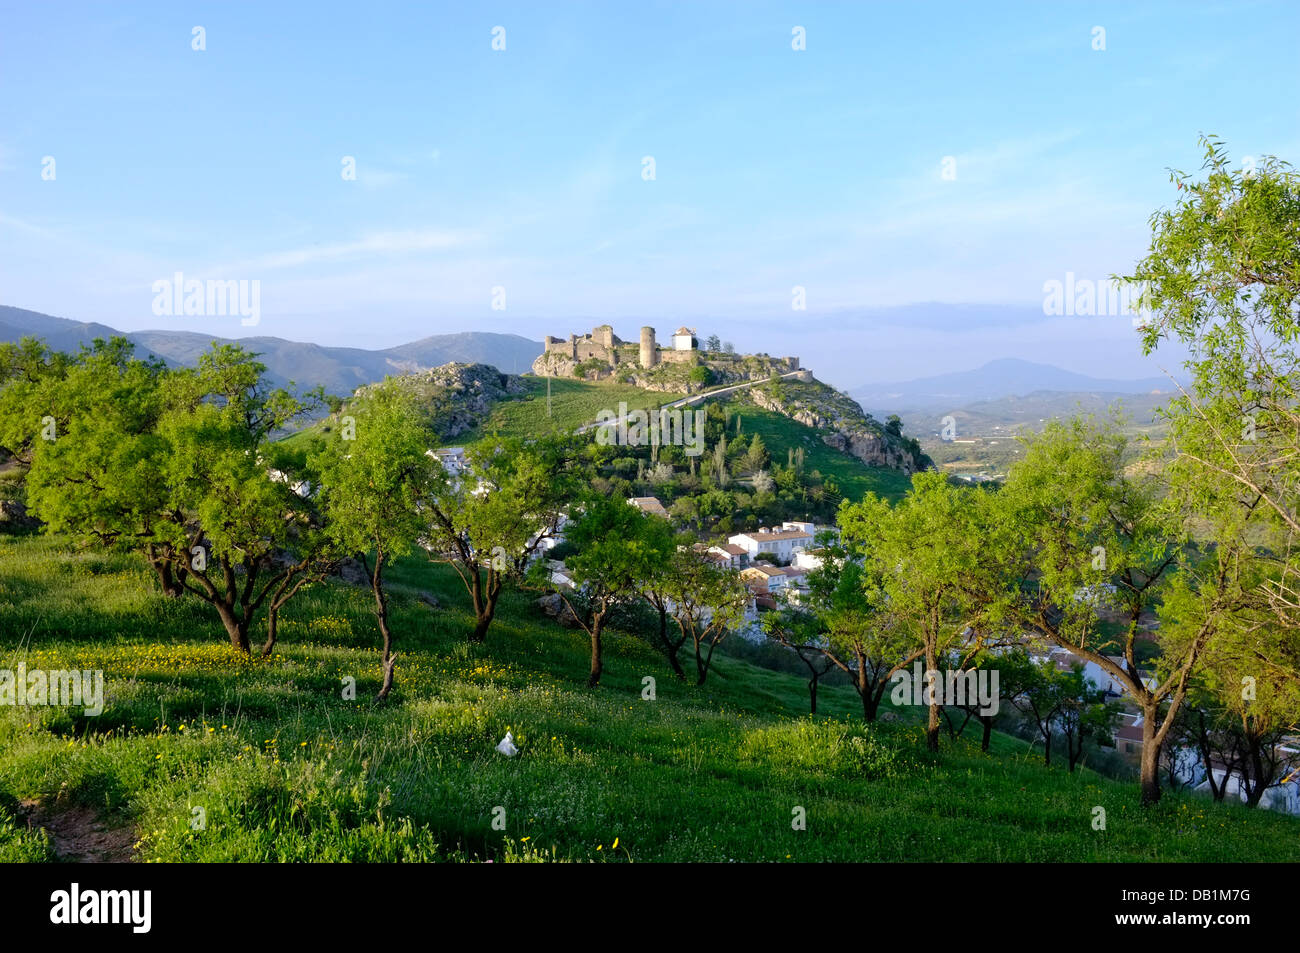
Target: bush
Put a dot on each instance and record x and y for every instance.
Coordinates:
(701, 375)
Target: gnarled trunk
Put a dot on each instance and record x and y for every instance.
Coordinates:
(236, 627)
(169, 580)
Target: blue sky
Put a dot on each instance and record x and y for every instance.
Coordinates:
(522, 168)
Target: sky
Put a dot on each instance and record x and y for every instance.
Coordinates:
(919, 170)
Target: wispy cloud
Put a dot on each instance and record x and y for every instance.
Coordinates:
(383, 244)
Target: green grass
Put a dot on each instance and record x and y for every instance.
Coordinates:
(283, 768)
(572, 404)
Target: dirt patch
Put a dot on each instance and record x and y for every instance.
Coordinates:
(80, 835)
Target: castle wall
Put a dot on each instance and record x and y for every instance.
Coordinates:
(677, 357)
(589, 350)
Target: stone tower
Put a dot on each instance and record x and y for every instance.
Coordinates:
(649, 353)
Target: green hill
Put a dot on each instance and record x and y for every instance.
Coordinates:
(563, 404)
(535, 405)
(781, 435)
(279, 766)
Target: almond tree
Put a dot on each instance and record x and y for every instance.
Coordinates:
(923, 566)
(492, 522)
(618, 549)
(1081, 542)
(1222, 278)
(840, 623)
(31, 390)
(375, 490)
(1241, 714)
(230, 520)
(97, 471)
(706, 602)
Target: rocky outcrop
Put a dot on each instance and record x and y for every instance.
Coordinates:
(852, 430)
(873, 449)
(458, 397)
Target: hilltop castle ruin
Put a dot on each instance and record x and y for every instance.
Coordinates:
(602, 344)
(601, 353)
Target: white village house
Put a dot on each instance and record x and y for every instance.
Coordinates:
(783, 542)
(453, 460)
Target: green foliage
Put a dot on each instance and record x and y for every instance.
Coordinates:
(1222, 277)
(373, 486)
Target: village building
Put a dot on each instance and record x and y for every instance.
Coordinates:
(453, 460)
(783, 542)
(649, 504)
(731, 556)
(810, 558)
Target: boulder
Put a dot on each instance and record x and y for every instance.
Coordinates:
(555, 607)
(14, 518)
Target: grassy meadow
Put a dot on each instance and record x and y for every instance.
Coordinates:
(202, 756)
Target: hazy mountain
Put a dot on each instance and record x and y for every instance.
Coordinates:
(1009, 377)
(340, 369)
(61, 334)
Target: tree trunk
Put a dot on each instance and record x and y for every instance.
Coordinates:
(1150, 765)
(1074, 753)
(812, 695)
(381, 612)
(171, 585)
(987, 722)
(485, 604)
(483, 620)
(236, 628)
(670, 650)
(932, 728)
(702, 663)
(1262, 777)
(1206, 745)
(272, 628)
(597, 665)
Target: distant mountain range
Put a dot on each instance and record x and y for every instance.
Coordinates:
(1008, 377)
(340, 369)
